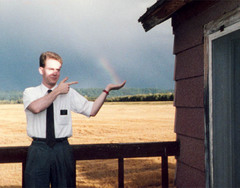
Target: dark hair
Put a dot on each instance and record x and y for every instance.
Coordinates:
(48, 55)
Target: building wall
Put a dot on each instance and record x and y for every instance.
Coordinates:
(188, 28)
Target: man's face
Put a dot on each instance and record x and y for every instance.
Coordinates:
(50, 73)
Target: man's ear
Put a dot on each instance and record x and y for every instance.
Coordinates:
(40, 69)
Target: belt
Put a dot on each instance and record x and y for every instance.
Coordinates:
(44, 139)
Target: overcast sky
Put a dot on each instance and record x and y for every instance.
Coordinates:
(100, 41)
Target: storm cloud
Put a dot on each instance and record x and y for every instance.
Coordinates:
(83, 33)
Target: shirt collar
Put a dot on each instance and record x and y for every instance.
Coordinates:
(45, 89)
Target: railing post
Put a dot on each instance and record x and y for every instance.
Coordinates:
(23, 169)
(75, 173)
(120, 173)
(165, 171)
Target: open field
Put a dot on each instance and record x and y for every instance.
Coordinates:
(115, 123)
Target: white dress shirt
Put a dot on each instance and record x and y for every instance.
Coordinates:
(63, 105)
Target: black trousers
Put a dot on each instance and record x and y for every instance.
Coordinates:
(46, 165)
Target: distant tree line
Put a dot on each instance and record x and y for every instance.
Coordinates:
(11, 97)
(145, 97)
(95, 92)
(125, 94)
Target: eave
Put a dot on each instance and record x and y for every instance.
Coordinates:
(160, 11)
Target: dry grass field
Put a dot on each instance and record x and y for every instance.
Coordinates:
(115, 123)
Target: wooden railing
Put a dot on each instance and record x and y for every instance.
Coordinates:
(106, 151)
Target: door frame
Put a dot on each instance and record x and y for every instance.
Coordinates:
(227, 24)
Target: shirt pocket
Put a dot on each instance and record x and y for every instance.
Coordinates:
(63, 112)
(63, 117)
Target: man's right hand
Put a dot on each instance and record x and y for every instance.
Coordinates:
(45, 101)
(64, 86)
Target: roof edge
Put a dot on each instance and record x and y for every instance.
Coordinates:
(160, 11)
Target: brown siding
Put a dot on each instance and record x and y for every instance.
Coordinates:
(186, 173)
(188, 25)
(189, 63)
(189, 92)
(192, 151)
(190, 122)
(190, 173)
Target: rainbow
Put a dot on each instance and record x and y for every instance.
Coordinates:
(108, 68)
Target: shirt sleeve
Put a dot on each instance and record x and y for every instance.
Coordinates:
(27, 99)
(29, 95)
(80, 104)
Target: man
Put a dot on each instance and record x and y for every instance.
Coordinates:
(48, 110)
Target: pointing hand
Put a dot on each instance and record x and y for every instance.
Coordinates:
(64, 86)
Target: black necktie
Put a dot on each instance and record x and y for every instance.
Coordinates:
(50, 135)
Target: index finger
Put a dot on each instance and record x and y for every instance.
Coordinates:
(71, 83)
(64, 80)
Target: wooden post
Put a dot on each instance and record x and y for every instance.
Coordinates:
(165, 171)
(75, 173)
(23, 169)
(120, 173)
